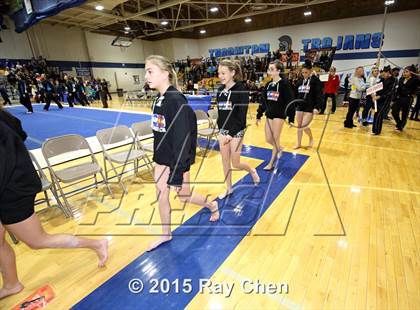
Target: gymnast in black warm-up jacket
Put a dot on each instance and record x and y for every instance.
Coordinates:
(232, 104)
(274, 102)
(175, 137)
(309, 90)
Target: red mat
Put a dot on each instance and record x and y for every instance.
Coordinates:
(36, 300)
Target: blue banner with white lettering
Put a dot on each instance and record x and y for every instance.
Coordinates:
(347, 42)
(250, 49)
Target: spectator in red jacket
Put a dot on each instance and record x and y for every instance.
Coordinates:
(331, 90)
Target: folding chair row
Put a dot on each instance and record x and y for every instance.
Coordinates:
(112, 140)
(210, 131)
(64, 149)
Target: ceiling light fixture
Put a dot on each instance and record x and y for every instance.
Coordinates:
(214, 9)
(202, 31)
(164, 22)
(248, 20)
(99, 7)
(307, 12)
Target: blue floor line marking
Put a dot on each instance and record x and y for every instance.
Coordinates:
(85, 122)
(198, 248)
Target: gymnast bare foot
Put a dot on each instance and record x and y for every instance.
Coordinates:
(12, 290)
(215, 215)
(255, 177)
(102, 252)
(225, 194)
(311, 143)
(269, 167)
(158, 242)
(297, 147)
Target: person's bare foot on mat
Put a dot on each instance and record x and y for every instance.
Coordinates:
(225, 194)
(255, 177)
(215, 215)
(269, 167)
(158, 242)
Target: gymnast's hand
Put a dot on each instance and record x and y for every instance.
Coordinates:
(258, 121)
(177, 189)
(227, 139)
(315, 111)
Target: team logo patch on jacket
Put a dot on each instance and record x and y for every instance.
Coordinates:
(273, 95)
(304, 89)
(225, 105)
(158, 123)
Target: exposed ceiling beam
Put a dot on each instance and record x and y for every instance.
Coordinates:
(161, 6)
(78, 17)
(282, 8)
(241, 3)
(116, 18)
(177, 16)
(58, 21)
(96, 12)
(140, 15)
(240, 8)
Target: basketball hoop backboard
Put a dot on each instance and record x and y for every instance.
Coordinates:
(122, 41)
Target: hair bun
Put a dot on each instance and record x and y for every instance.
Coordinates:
(307, 64)
(411, 68)
(387, 69)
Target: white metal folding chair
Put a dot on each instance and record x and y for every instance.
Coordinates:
(65, 149)
(111, 140)
(208, 132)
(143, 132)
